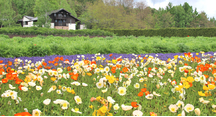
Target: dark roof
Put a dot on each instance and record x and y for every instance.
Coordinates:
(29, 17)
(56, 11)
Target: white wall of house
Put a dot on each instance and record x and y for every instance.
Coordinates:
(52, 25)
(30, 23)
(82, 26)
(72, 26)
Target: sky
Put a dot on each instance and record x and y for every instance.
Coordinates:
(208, 6)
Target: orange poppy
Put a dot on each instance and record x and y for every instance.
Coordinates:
(18, 114)
(147, 92)
(140, 94)
(4, 80)
(47, 67)
(125, 69)
(40, 66)
(190, 84)
(206, 76)
(134, 104)
(44, 64)
(143, 90)
(86, 62)
(61, 58)
(153, 114)
(49, 62)
(10, 63)
(118, 66)
(93, 62)
(110, 55)
(69, 68)
(1, 61)
(26, 114)
(119, 59)
(20, 87)
(55, 64)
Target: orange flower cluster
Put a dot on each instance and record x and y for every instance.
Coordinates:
(143, 90)
(23, 114)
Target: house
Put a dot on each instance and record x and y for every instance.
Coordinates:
(60, 19)
(27, 21)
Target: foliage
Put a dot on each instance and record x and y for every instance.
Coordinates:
(55, 45)
(49, 31)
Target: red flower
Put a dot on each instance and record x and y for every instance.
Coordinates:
(134, 104)
(140, 94)
(110, 55)
(143, 90)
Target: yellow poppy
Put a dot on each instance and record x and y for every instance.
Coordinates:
(53, 78)
(186, 85)
(201, 94)
(211, 86)
(72, 91)
(89, 74)
(205, 88)
(190, 79)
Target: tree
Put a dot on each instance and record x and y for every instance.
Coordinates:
(7, 14)
(42, 9)
(213, 21)
(179, 16)
(188, 14)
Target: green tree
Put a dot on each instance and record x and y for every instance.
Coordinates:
(7, 14)
(213, 21)
(42, 9)
(179, 16)
(188, 14)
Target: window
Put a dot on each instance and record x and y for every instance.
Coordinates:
(54, 15)
(55, 20)
(64, 15)
(59, 15)
(25, 23)
(63, 20)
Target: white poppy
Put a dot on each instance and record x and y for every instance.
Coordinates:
(58, 91)
(126, 108)
(149, 96)
(24, 88)
(38, 88)
(76, 110)
(137, 113)
(197, 111)
(78, 99)
(188, 108)
(173, 108)
(110, 100)
(121, 91)
(99, 85)
(84, 84)
(36, 112)
(11, 87)
(65, 105)
(116, 107)
(75, 83)
(154, 93)
(104, 91)
(47, 101)
(137, 85)
(31, 83)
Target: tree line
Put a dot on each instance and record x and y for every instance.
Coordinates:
(107, 14)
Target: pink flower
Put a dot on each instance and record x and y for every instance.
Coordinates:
(92, 99)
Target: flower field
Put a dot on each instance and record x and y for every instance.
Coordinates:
(109, 84)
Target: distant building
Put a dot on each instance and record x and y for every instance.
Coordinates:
(27, 21)
(61, 19)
